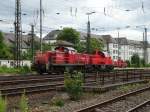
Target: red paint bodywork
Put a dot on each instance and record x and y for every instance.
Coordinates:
(120, 63)
(61, 57)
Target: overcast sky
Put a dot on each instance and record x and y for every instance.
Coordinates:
(110, 15)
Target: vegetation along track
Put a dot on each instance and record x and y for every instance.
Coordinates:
(116, 105)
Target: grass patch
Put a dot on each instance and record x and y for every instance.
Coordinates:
(23, 105)
(126, 88)
(3, 104)
(21, 70)
(58, 102)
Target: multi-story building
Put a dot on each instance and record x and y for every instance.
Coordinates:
(124, 50)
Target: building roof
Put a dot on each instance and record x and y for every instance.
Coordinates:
(105, 38)
(9, 38)
(125, 41)
(63, 43)
(52, 35)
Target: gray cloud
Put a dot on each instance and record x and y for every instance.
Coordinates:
(116, 14)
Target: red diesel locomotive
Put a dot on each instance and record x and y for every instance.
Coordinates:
(67, 58)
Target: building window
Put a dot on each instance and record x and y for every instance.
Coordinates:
(113, 45)
(11, 63)
(113, 51)
(119, 53)
(116, 51)
(113, 57)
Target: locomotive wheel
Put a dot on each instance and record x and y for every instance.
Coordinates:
(109, 68)
(41, 69)
(69, 69)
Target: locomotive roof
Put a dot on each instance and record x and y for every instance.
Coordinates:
(69, 48)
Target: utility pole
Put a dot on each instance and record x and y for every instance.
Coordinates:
(41, 15)
(107, 43)
(18, 32)
(145, 45)
(88, 35)
(118, 44)
(32, 41)
(88, 32)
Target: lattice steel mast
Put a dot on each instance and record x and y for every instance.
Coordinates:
(41, 15)
(145, 46)
(18, 33)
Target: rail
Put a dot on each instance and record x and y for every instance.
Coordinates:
(139, 106)
(99, 105)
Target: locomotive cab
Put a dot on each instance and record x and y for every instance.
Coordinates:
(101, 61)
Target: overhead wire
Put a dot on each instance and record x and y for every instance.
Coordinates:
(76, 11)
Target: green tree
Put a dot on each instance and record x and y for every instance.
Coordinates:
(94, 44)
(4, 49)
(128, 63)
(81, 47)
(135, 60)
(46, 47)
(69, 35)
(143, 62)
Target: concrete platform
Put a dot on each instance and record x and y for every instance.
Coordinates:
(103, 88)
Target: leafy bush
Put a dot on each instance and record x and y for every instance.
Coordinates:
(24, 103)
(25, 69)
(58, 102)
(73, 85)
(3, 104)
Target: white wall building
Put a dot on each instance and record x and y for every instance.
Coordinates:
(10, 63)
(126, 48)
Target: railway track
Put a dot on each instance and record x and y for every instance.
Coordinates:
(7, 78)
(16, 84)
(30, 89)
(139, 107)
(33, 80)
(100, 106)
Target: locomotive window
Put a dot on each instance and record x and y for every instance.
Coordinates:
(66, 50)
(101, 54)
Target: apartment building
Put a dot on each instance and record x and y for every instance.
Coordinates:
(125, 49)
